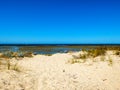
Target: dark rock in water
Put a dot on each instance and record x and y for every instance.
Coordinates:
(35, 53)
(66, 51)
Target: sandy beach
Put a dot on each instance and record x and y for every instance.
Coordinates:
(57, 73)
(59, 44)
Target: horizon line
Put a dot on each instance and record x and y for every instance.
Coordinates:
(59, 44)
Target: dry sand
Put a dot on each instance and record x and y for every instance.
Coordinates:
(55, 73)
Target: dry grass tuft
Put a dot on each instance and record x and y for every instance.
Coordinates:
(117, 53)
(6, 57)
(93, 53)
(102, 58)
(110, 62)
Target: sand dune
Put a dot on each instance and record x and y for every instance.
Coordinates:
(56, 73)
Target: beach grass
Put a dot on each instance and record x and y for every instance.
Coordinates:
(93, 53)
(89, 52)
(6, 57)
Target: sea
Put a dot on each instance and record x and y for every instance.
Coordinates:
(49, 48)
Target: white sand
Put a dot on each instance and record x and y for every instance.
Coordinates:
(55, 73)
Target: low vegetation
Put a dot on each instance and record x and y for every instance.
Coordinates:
(72, 61)
(95, 52)
(48, 54)
(102, 58)
(117, 53)
(18, 54)
(6, 58)
(110, 61)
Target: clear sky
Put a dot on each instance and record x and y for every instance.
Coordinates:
(59, 21)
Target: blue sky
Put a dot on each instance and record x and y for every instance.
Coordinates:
(59, 21)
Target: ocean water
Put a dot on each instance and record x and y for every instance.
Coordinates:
(41, 49)
(46, 49)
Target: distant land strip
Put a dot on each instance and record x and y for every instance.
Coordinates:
(59, 44)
